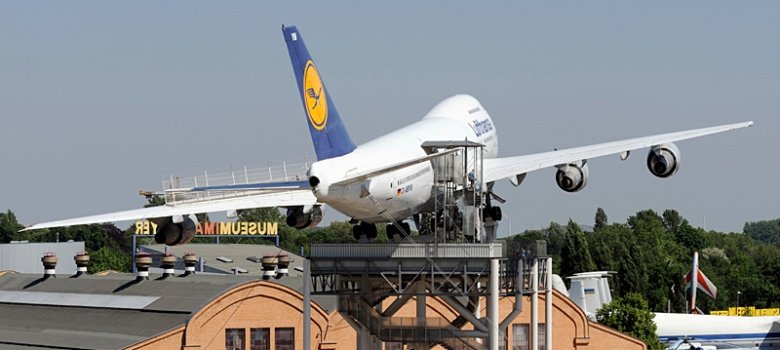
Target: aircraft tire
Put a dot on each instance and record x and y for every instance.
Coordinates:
(391, 231)
(369, 230)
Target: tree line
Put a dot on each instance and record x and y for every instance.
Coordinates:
(651, 253)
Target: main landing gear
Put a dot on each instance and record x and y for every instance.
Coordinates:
(392, 231)
(364, 229)
(368, 231)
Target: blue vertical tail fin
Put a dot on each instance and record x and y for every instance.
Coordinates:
(328, 134)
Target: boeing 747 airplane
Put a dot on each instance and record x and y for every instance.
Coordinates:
(390, 178)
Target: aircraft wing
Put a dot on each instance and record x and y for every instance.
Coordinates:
(264, 200)
(499, 168)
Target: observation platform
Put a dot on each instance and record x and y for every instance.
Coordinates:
(177, 188)
(451, 269)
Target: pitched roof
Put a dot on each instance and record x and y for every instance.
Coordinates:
(107, 312)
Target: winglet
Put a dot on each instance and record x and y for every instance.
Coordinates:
(328, 134)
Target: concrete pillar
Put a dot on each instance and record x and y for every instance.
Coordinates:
(362, 338)
(306, 304)
(421, 303)
(493, 306)
(534, 331)
(548, 298)
(421, 311)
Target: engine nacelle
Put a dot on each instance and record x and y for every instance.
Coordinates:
(172, 233)
(663, 160)
(572, 177)
(302, 217)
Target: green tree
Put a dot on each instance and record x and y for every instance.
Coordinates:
(9, 227)
(106, 258)
(556, 236)
(154, 200)
(646, 222)
(630, 314)
(601, 219)
(261, 214)
(673, 220)
(575, 255)
(767, 231)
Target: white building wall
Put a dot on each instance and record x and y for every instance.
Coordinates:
(26, 257)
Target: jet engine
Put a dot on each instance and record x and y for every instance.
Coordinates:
(175, 230)
(302, 217)
(572, 177)
(663, 160)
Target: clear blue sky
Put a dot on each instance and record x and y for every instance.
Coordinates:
(101, 99)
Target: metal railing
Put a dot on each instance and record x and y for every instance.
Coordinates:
(177, 188)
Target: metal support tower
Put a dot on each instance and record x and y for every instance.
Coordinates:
(367, 277)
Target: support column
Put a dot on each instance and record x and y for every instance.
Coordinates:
(306, 304)
(362, 338)
(421, 311)
(548, 297)
(493, 305)
(378, 342)
(134, 247)
(534, 331)
(421, 303)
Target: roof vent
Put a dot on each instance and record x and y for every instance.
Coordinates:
(142, 263)
(49, 261)
(269, 265)
(82, 261)
(284, 265)
(167, 263)
(190, 259)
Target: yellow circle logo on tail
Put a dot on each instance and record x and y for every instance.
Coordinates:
(314, 95)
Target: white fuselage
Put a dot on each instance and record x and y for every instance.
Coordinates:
(724, 332)
(401, 193)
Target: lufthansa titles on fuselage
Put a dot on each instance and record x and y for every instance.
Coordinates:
(481, 127)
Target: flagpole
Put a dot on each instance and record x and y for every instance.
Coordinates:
(694, 281)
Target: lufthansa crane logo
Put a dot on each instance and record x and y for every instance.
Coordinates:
(314, 96)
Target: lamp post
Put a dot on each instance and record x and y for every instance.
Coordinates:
(738, 293)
